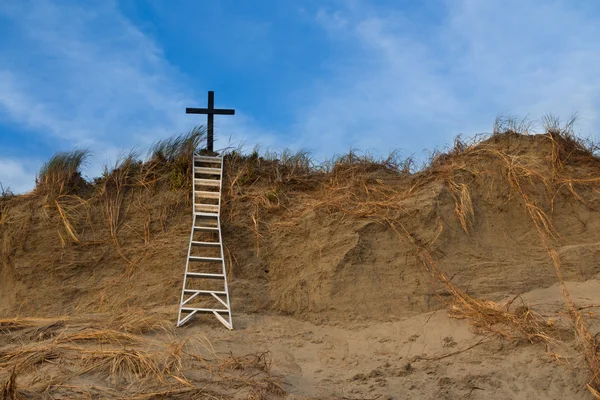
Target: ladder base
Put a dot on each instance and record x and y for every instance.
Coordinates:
(215, 312)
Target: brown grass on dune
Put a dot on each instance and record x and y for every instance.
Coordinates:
(257, 188)
(524, 175)
(352, 187)
(150, 367)
(9, 388)
(14, 324)
(523, 178)
(61, 174)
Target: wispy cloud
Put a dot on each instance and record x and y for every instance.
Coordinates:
(386, 76)
(16, 175)
(90, 78)
(398, 84)
(89, 70)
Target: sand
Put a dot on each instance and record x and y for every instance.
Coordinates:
(327, 279)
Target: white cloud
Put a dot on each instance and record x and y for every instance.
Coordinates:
(89, 78)
(16, 175)
(397, 83)
(90, 70)
(92, 79)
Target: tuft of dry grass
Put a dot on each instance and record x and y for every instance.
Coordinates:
(463, 203)
(125, 364)
(70, 209)
(260, 186)
(112, 191)
(511, 124)
(5, 192)
(171, 159)
(143, 366)
(61, 174)
(8, 325)
(139, 322)
(9, 388)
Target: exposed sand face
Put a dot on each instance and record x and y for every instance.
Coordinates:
(329, 280)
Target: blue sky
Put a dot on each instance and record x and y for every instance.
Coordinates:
(111, 75)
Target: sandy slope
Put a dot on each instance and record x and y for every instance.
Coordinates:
(327, 275)
(427, 356)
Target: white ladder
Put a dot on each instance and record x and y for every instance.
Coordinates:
(205, 284)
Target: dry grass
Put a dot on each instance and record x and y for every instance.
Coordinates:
(259, 187)
(9, 388)
(512, 124)
(531, 182)
(61, 174)
(8, 325)
(112, 191)
(537, 190)
(463, 203)
(171, 159)
(155, 366)
(71, 210)
(352, 187)
(485, 316)
(139, 322)
(5, 192)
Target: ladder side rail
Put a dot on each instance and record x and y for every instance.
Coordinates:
(193, 189)
(225, 277)
(187, 260)
(220, 194)
(187, 264)
(222, 253)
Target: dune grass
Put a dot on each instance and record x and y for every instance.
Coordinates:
(171, 158)
(348, 184)
(260, 183)
(143, 366)
(62, 173)
(5, 192)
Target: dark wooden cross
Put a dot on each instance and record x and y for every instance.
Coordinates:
(210, 111)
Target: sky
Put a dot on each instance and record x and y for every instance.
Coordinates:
(325, 76)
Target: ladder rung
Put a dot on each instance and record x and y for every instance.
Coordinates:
(204, 291)
(205, 244)
(205, 214)
(205, 259)
(207, 207)
(205, 275)
(207, 195)
(208, 159)
(206, 229)
(203, 309)
(207, 171)
(207, 182)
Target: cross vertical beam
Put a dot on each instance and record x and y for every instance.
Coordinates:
(210, 121)
(210, 112)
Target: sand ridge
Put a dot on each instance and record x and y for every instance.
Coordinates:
(340, 279)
